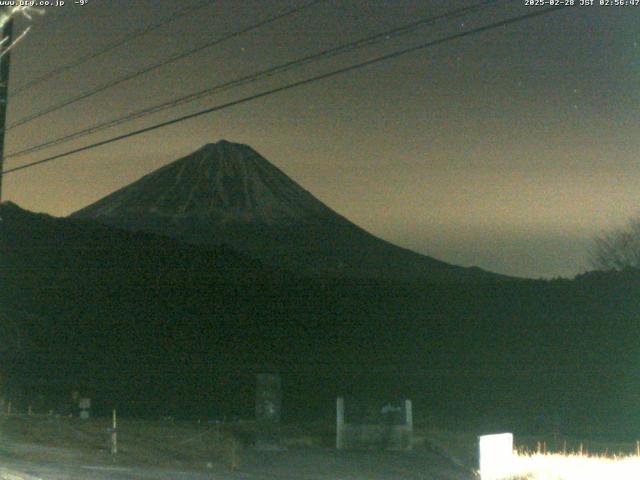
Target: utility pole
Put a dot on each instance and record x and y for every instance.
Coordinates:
(7, 39)
(5, 57)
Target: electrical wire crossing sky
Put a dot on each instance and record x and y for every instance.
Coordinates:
(480, 133)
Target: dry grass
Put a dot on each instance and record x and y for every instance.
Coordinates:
(557, 466)
(551, 457)
(6, 474)
(461, 448)
(200, 446)
(309, 435)
(158, 443)
(560, 458)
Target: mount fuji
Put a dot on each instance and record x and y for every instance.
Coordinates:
(227, 193)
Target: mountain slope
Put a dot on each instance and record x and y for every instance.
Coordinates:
(83, 293)
(44, 254)
(228, 193)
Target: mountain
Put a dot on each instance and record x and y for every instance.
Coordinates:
(227, 193)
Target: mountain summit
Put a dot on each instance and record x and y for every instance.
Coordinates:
(223, 183)
(227, 193)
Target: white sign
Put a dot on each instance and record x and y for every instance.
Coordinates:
(496, 456)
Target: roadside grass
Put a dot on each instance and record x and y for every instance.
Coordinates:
(574, 466)
(565, 458)
(460, 447)
(204, 446)
(159, 443)
(542, 457)
(309, 435)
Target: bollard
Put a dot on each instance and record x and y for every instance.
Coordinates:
(114, 434)
(340, 423)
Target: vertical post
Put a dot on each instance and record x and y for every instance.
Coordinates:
(114, 434)
(408, 410)
(5, 57)
(340, 423)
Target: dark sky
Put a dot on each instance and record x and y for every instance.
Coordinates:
(508, 150)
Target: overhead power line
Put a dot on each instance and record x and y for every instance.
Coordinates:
(269, 72)
(293, 85)
(111, 46)
(155, 66)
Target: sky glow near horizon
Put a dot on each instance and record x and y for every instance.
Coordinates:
(508, 150)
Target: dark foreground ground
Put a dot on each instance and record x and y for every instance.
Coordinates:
(48, 447)
(55, 448)
(303, 464)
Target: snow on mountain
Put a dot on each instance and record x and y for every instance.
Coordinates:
(224, 182)
(227, 193)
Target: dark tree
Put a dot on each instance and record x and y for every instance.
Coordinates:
(618, 249)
